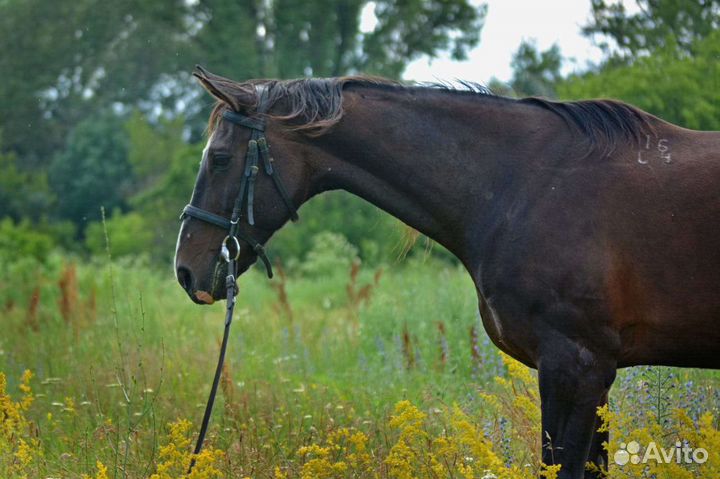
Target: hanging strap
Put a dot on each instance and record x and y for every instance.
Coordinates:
(268, 161)
(231, 291)
(251, 171)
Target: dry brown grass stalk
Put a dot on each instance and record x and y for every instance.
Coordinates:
(68, 301)
(474, 346)
(407, 348)
(31, 317)
(357, 296)
(443, 344)
(282, 306)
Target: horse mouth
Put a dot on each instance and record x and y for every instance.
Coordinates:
(218, 290)
(204, 297)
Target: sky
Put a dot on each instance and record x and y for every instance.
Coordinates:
(507, 23)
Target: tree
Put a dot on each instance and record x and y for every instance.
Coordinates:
(136, 53)
(534, 72)
(659, 23)
(64, 59)
(662, 59)
(293, 38)
(167, 167)
(93, 170)
(23, 194)
(74, 69)
(678, 88)
(410, 28)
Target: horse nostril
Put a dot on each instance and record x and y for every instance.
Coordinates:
(184, 277)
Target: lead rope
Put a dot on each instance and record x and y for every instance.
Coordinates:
(231, 290)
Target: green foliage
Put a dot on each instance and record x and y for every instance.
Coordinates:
(408, 29)
(19, 240)
(25, 247)
(658, 25)
(93, 170)
(536, 73)
(330, 252)
(151, 147)
(376, 235)
(23, 193)
(165, 167)
(170, 167)
(65, 59)
(161, 201)
(292, 38)
(315, 38)
(132, 53)
(225, 23)
(499, 87)
(676, 87)
(129, 234)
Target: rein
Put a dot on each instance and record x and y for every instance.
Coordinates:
(257, 149)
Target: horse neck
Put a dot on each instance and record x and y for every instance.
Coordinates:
(438, 161)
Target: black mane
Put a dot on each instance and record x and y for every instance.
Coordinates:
(316, 104)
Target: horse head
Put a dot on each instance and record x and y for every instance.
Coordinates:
(239, 199)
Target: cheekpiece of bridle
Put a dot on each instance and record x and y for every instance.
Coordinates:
(257, 150)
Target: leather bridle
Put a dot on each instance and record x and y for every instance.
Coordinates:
(257, 149)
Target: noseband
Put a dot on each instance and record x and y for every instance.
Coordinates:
(257, 149)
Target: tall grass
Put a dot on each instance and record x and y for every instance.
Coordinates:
(359, 372)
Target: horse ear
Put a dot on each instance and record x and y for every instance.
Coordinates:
(233, 93)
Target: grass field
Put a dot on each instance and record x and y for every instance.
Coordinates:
(353, 373)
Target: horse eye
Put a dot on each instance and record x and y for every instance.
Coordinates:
(220, 161)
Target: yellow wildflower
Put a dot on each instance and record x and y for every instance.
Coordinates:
(175, 456)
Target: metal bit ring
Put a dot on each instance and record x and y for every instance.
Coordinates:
(225, 251)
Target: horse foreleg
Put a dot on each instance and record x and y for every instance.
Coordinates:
(598, 454)
(573, 380)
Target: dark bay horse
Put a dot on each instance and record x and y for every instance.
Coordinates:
(590, 228)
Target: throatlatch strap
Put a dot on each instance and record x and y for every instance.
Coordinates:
(268, 161)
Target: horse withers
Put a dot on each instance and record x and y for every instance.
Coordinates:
(588, 227)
